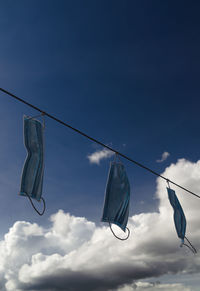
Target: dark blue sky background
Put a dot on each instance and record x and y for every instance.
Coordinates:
(125, 72)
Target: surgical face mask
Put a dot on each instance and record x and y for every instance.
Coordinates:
(33, 171)
(179, 216)
(179, 219)
(117, 196)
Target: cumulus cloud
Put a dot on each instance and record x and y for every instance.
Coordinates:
(164, 156)
(74, 254)
(97, 156)
(155, 286)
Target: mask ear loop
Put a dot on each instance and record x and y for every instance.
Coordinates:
(167, 180)
(116, 158)
(42, 199)
(190, 246)
(44, 204)
(117, 236)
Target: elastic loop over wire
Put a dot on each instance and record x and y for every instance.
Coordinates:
(42, 114)
(116, 157)
(120, 237)
(167, 180)
(44, 205)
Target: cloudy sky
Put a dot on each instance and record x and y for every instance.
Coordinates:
(126, 73)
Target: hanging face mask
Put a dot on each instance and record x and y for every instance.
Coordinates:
(179, 219)
(33, 171)
(117, 196)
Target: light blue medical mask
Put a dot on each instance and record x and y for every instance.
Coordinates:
(33, 171)
(179, 218)
(117, 197)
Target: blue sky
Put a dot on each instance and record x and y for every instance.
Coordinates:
(124, 72)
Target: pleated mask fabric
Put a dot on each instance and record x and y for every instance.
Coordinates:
(179, 216)
(33, 171)
(117, 196)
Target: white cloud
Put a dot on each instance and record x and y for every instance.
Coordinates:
(97, 156)
(74, 252)
(157, 286)
(164, 156)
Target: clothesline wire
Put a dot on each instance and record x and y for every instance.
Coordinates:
(96, 141)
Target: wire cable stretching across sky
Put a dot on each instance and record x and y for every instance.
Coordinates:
(96, 141)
